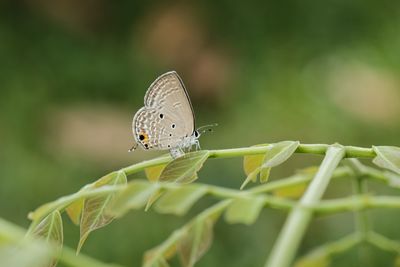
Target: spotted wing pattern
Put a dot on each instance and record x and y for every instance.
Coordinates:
(167, 117)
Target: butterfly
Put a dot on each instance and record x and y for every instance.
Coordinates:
(166, 122)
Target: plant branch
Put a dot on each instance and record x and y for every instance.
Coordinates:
(292, 233)
(350, 151)
(329, 249)
(383, 242)
(296, 179)
(356, 203)
(324, 207)
(361, 217)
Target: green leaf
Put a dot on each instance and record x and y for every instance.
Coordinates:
(27, 253)
(51, 230)
(262, 164)
(387, 157)
(74, 211)
(154, 172)
(179, 200)
(184, 238)
(294, 191)
(279, 153)
(196, 242)
(162, 252)
(152, 259)
(252, 163)
(250, 177)
(251, 166)
(184, 169)
(314, 259)
(162, 263)
(393, 179)
(134, 196)
(198, 237)
(264, 174)
(153, 198)
(244, 210)
(94, 215)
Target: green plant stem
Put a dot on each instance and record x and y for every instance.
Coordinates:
(12, 233)
(361, 220)
(294, 229)
(69, 258)
(343, 244)
(356, 203)
(350, 151)
(361, 216)
(331, 248)
(359, 188)
(294, 180)
(383, 242)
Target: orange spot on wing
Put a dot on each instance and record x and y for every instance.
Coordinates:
(145, 135)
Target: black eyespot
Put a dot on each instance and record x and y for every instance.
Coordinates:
(161, 115)
(169, 146)
(173, 125)
(146, 146)
(170, 134)
(141, 137)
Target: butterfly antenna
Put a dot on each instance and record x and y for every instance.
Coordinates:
(132, 148)
(207, 128)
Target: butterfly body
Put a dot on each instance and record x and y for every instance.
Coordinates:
(167, 120)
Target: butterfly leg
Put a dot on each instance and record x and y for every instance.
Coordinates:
(132, 148)
(197, 144)
(176, 152)
(189, 148)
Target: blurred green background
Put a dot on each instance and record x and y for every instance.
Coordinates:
(73, 73)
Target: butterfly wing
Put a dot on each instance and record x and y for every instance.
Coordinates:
(168, 93)
(167, 116)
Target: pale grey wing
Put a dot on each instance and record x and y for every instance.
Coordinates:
(153, 131)
(143, 127)
(168, 95)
